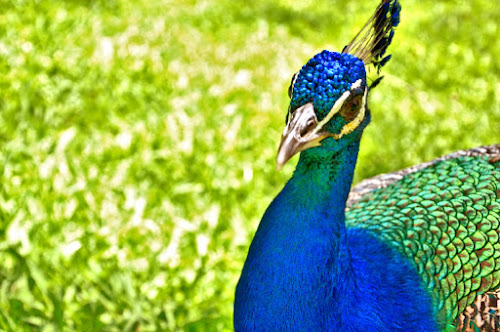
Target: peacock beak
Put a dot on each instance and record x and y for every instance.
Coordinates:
(304, 131)
(299, 134)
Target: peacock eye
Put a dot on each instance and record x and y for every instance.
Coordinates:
(351, 108)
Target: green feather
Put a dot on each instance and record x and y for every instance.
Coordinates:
(445, 218)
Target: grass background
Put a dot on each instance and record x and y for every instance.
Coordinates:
(137, 141)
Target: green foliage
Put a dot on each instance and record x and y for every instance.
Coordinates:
(137, 141)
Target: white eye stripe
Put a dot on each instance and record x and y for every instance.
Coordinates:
(356, 84)
(338, 105)
(351, 126)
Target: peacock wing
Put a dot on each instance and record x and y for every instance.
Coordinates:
(445, 216)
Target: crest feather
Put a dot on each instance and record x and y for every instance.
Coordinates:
(370, 44)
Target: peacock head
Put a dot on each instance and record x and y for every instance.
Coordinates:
(328, 96)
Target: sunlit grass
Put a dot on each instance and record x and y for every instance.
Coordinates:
(137, 141)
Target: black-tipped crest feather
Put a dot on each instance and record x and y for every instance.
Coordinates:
(371, 42)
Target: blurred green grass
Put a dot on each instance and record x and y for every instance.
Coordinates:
(137, 141)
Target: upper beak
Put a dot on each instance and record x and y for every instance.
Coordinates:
(299, 134)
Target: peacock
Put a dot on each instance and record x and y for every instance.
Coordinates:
(414, 250)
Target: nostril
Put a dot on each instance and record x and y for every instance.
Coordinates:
(308, 128)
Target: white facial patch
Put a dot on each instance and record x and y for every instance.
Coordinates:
(338, 106)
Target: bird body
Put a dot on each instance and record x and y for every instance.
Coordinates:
(444, 216)
(306, 271)
(411, 252)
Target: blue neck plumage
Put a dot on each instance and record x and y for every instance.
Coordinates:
(298, 267)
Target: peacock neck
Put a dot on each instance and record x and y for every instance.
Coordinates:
(298, 265)
(321, 185)
(324, 178)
